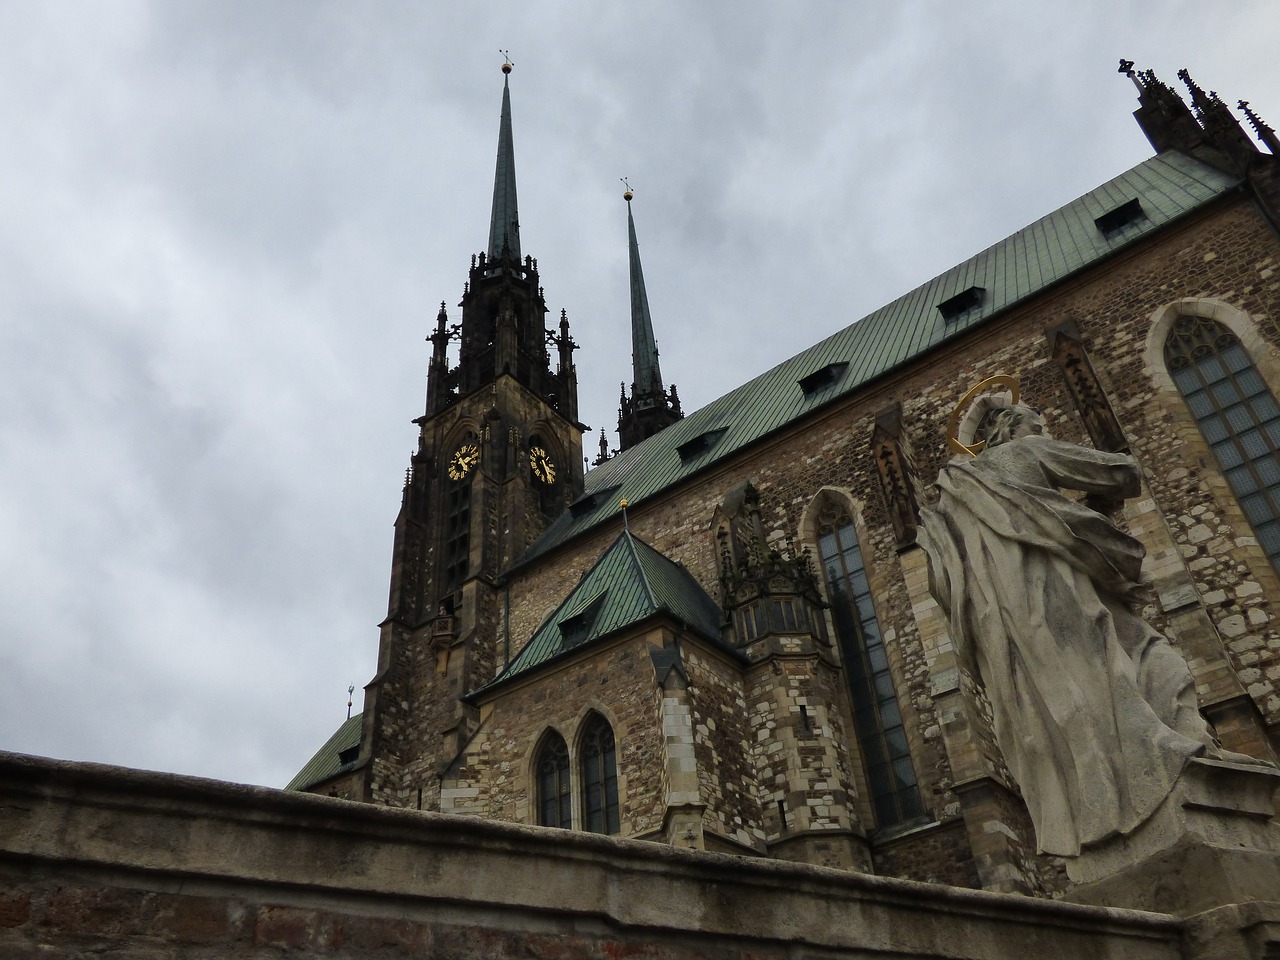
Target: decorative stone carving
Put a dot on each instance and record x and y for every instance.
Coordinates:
(1093, 709)
(1095, 409)
(893, 464)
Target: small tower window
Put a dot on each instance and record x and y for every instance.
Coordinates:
(457, 534)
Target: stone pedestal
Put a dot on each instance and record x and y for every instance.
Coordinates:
(1209, 854)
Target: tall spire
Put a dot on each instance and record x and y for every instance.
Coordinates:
(650, 407)
(504, 224)
(644, 347)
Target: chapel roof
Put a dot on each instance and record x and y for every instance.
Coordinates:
(327, 761)
(629, 583)
(1086, 231)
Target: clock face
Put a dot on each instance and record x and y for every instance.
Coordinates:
(462, 462)
(541, 464)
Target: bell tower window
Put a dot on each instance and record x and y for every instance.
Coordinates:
(457, 534)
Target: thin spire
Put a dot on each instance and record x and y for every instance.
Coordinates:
(504, 224)
(644, 347)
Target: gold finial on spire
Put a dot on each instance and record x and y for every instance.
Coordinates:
(628, 195)
(506, 61)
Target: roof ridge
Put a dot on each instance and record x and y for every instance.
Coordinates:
(644, 577)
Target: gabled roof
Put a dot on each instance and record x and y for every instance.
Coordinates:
(1167, 187)
(628, 584)
(327, 761)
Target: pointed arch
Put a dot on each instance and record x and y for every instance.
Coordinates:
(1236, 412)
(552, 785)
(830, 523)
(598, 763)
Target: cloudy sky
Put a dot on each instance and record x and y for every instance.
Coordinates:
(225, 228)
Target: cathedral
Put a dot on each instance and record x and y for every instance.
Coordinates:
(721, 637)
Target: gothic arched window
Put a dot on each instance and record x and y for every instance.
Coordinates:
(599, 777)
(877, 721)
(554, 793)
(1236, 413)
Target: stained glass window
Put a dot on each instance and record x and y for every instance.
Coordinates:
(1237, 415)
(554, 793)
(877, 720)
(599, 777)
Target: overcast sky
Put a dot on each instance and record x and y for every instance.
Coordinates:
(226, 228)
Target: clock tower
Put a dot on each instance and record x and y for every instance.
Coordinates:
(499, 457)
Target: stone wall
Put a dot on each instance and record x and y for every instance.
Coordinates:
(1216, 590)
(109, 863)
(493, 777)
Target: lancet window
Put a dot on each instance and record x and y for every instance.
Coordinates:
(555, 797)
(599, 777)
(1237, 415)
(877, 719)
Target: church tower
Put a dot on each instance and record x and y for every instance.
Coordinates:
(499, 456)
(650, 407)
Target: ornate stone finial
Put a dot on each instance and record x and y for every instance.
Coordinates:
(506, 61)
(1264, 131)
(1126, 67)
(628, 193)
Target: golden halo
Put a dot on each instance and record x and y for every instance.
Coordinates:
(953, 425)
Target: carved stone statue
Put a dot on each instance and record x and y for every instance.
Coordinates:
(1094, 711)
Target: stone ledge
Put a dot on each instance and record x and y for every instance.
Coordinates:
(129, 830)
(1212, 842)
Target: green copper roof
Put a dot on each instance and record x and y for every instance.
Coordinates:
(644, 347)
(504, 223)
(628, 584)
(1166, 187)
(327, 763)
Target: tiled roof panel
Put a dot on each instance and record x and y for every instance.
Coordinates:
(1168, 186)
(630, 582)
(326, 763)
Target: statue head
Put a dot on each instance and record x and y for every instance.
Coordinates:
(1012, 422)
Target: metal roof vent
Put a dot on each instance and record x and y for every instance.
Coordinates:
(823, 377)
(961, 303)
(692, 449)
(576, 630)
(1113, 222)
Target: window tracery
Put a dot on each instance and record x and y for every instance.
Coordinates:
(877, 719)
(599, 778)
(1237, 415)
(553, 788)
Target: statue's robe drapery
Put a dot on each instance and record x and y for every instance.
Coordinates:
(1094, 711)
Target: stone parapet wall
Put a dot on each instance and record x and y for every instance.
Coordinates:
(104, 862)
